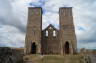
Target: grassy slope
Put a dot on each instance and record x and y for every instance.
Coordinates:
(55, 58)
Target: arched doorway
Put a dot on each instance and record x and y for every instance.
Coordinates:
(67, 48)
(33, 48)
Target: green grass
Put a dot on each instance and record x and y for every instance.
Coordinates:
(56, 58)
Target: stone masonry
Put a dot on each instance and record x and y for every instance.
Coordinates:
(50, 40)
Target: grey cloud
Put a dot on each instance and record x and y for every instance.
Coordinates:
(10, 36)
(7, 17)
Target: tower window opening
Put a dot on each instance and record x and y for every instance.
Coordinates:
(46, 33)
(50, 27)
(54, 33)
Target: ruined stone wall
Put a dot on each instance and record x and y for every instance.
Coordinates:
(50, 43)
(63, 43)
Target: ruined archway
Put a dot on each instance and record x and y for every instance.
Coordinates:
(33, 48)
(67, 48)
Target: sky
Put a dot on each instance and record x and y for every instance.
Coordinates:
(14, 13)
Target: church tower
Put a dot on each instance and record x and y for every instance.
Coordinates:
(67, 31)
(33, 33)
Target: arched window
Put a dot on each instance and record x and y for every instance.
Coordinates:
(46, 33)
(54, 33)
(67, 48)
(50, 27)
(33, 48)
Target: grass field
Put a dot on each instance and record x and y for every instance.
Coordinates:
(54, 58)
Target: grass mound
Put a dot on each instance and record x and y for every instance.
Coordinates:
(55, 58)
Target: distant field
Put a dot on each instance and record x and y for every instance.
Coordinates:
(54, 59)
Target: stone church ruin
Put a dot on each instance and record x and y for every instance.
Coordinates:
(50, 40)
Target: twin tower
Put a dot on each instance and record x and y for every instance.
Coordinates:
(50, 40)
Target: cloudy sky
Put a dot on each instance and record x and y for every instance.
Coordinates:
(13, 19)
